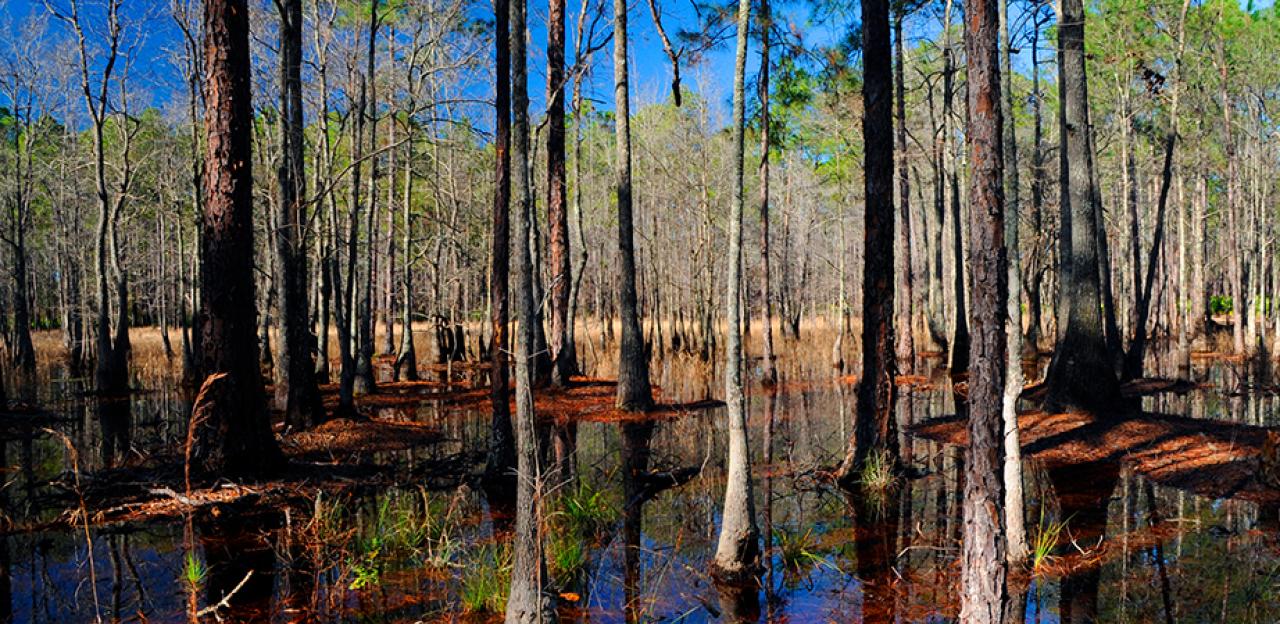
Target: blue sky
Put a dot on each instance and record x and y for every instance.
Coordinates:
(651, 72)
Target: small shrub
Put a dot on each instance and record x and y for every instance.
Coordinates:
(1220, 304)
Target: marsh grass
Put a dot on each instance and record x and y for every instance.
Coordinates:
(1048, 533)
(582, 514)
(798, 551)
(486, 578)
(401, 529)
(877, 473)
(587, 510)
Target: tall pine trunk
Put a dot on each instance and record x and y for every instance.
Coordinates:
(874, 426)
(234, 436)
(982, 559)
(499, 470)
(634, 392)
(564, 361)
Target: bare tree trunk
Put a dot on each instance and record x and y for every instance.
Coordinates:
(1235, 270)
(345, 281)
(874, 427)
(20, 218)
(982, 560)
(906, 330)
(1041, 253)
(1082, 375)
(1200, 240)
(234, 436)
(108, 376)
(766, 293)
(499, 470)
(365, 379)
(737, 558)
(1015, 522)
(634, 392)
(959, 360)
(1137, 349)
(571, 343)
(408, 357)
(526, 603)
(296, 390)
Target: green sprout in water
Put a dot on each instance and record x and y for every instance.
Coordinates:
(194, 571)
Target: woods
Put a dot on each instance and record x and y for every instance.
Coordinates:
(456, 287)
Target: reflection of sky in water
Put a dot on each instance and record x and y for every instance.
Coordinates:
(1208, 546)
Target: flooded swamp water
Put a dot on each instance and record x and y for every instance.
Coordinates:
(623, 543)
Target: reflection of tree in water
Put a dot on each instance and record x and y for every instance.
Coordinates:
(115, 415)
(1083, 491)
(875, 522)
(640, 484)
(636, 438)
(236, 547)
(6, 579)
(298, 572)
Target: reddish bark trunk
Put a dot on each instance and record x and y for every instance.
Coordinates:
(564, 360)
(983, 556)
(235, 435)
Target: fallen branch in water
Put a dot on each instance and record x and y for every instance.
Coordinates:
(226, 600)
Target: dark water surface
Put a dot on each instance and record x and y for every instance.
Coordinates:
(414, 553)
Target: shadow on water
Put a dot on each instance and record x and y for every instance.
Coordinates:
(636, 439)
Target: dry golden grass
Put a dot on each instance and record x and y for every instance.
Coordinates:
(683, 371)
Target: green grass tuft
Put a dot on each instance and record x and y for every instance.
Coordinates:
(486, 579)
(1045, 541)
